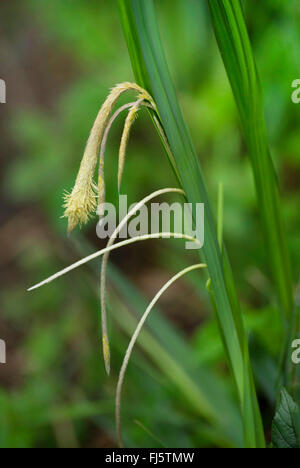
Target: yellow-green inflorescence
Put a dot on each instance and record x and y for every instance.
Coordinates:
(82, 201)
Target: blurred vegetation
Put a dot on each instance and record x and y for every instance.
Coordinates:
(59, 59)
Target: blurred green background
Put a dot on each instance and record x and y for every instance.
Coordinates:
(59, 60)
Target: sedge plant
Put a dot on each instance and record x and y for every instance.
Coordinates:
(155, 92)
(87, 198)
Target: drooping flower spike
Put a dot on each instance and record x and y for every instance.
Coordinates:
(81, 202)
(132, 240)
(133, 109)
(101, 179)
(132, 212)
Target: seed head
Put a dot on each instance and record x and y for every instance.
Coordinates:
(81, 203)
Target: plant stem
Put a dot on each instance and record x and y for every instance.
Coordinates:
(151, 71)
(235, 47)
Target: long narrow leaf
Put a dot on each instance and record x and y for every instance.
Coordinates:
(149, 64)
(235, 48)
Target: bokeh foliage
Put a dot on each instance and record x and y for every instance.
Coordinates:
(60, 59)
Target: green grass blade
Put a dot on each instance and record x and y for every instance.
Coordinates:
(235, 48)
(220, 214)
(149, 64)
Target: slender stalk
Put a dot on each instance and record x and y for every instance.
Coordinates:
(101, 192)
(123, 222)
(156, 235)
(125, 137)
(134, 338)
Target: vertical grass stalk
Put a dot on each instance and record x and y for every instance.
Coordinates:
(235, 47)
(151, 72)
